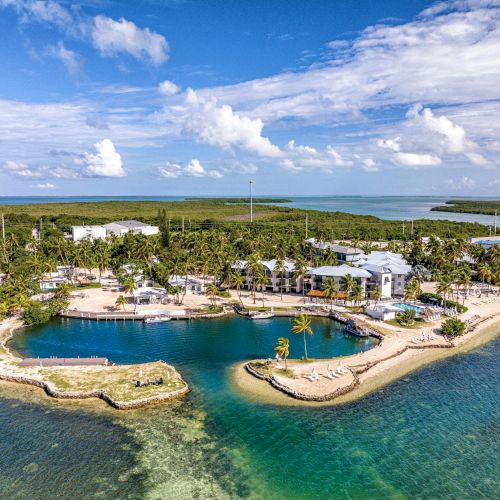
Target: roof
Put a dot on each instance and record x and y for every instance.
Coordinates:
(268, 264)
(149, 291)
(323, 245)
(340, 271)
(183, 280)
(130, 223)
(385, 262)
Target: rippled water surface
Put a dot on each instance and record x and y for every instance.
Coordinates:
(433, 434)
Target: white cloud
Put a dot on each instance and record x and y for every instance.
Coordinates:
(193, 169)
(416, 159)
(45, 185)
(19, 169)
(220, 126)
(40, 11)
(299, 157)
(369, 165)
(104, 161)
(69, 58)
(460, 184)
(167, 87)
(392, 144)
(112, 37)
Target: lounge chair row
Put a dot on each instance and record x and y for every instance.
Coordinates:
(331, 374)
(425, 337)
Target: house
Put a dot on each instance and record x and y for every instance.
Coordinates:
(149, 295)
(187, 284)
(380, 312)
(343, 253)
(315, 277)
(51, 281)
(388, 272)
(118, 228)
(485, 242)
(88, 233)
(136, 273)
(276, 281)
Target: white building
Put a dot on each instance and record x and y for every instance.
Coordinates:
(118, 228)
(79, 233)
(317, 276)
(149, 295)
(388, 272)
(277, 280)
(187, 284)
(343, 253)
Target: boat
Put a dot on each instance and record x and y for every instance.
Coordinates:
(261, 315)
(157, 319)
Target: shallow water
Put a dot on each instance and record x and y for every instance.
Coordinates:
(433, 434)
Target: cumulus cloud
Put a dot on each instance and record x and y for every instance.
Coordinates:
(167, 87)
(219, 125)
(41, 11)
(20, 169)
(104, 161)
(416, 159)
(69, 58)
(45, 185)
(112, 37)
(193, 169)
(461, 184)
(300, 157)
(369, 165)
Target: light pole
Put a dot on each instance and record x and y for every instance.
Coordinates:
(251, 202)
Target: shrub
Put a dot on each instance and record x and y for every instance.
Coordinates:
(453, 327)
(407, 317)
(426, 296)
(36, 314)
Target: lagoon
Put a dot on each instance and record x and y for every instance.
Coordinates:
(428, 435)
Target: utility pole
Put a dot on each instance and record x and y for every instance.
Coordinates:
(403, 228)
(307, 220)
(183, 223)
(40, 230)
(412, 226)
(496, 213)
(251, 202)
(3, 227)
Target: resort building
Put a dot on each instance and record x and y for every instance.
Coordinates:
(343, 253)
(277, 280)
(388, 272)
(118, 228)
(315, 277)
(53, 280)
(187, 284)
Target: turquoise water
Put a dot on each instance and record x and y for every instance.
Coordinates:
(406, 307)
(384, 207)
(433, 434)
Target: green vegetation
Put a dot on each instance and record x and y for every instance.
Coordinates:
(302, 324)
(453, 327)
(37, 313)
(282, 349)
(406, 317)
(486, 207)
(229, 201)
(427, 296)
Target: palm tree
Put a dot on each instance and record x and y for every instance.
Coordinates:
(302, 324)
(282, 349)
(261, 281)
(376, 294)
(444, 287)
(357, 293)
(121, 301)
(238, 282)
(212, 291)
(347, 283)
(330, 290)
(300, 272)
(412, 290)
(280, 269)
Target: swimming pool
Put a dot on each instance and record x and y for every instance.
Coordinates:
(400, 305)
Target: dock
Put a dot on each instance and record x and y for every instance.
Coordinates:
(64, 362)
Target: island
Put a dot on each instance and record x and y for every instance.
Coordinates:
(485, 207)
(122, 387)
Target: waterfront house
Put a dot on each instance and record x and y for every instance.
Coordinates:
(187, 284)
(149, 295)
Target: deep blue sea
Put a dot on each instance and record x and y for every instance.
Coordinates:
(384, 207)
(433, 434)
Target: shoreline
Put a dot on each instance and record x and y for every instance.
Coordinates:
(369, 378)
(109, 383)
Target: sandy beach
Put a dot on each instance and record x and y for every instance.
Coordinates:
(394, 357)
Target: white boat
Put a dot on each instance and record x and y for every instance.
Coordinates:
(157, 319)
(261, 315)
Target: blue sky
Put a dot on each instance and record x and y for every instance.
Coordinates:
(196, 97)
